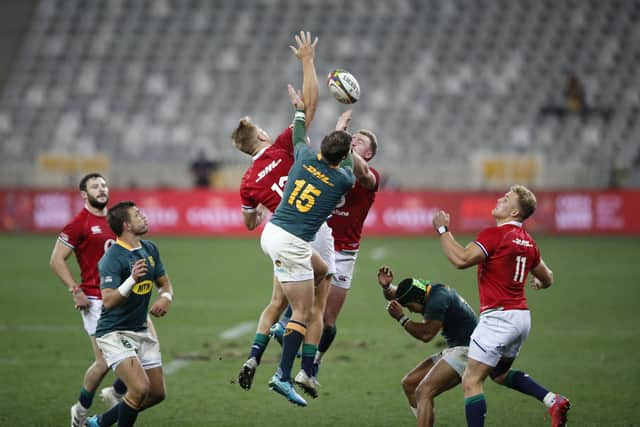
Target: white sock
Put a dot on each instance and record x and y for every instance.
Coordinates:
(414, 410)
(549, 399)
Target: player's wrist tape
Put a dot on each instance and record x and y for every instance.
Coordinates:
(167, 295)
(442, 229)
(386, 287)
(126, 286)
(299, 115)
(403, 320)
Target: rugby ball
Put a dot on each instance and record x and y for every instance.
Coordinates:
(343, 86)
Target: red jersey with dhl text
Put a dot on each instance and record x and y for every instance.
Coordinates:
(510, 254)
(348, 217)
(265, 179)
(89, 236)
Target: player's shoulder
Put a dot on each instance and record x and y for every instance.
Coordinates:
(79, 218)
(285, 135)
(246, 176)
(149, 245)
(112, 255)
(439, 290)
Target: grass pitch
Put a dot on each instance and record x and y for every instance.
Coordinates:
(584, 341)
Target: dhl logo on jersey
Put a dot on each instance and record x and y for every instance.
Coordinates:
(143, 287)
(315, 172)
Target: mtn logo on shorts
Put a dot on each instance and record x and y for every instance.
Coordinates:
(95, 229)
(142, 288)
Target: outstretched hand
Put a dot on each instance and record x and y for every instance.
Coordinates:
(344, 120)
(440, 219)
(305, 49)
(385, 276)
(295, 97)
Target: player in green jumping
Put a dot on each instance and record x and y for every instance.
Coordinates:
(128, 271)
(315, 185)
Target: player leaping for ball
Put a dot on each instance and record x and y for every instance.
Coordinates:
(316, 183)
(261, 191)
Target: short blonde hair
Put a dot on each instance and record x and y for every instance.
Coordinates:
(245, 135)
(527, 202)
(374, 141)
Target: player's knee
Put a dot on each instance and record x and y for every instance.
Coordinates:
(138, 391)
(408, 385)
(469, 382)
(99, 367)
(157, 396)
(425, 391)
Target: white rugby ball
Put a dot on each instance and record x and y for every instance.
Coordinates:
(343, 86)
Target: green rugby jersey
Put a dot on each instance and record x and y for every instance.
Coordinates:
(458, 318)
(313, 188)
(115, 268)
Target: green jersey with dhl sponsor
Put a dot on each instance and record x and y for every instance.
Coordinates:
(313, 189)
(115, 268)
(446, 305)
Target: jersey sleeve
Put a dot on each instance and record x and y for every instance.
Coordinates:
(488, 240)
(247, 200)
(72, 234)
(437, 304)
(299, 133)
(109, 269)
(536, 257)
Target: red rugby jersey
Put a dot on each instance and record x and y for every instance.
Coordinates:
(89, 236)
(349, 216)
(265, 179)
(510, 254)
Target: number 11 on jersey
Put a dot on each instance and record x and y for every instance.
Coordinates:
(521, 261)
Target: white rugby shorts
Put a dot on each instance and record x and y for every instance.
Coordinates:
(290, 254)
(499, 334)
(456, 357)
(323, 244)
(120, 345)
(345, 263)
(91, 315)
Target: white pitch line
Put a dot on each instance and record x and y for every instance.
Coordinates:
(378, 253)
(238, 330)
(174, 365)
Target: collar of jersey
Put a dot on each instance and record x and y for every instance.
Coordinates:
(259, 153)
(516, 223)
(126, 245)
(319, 156)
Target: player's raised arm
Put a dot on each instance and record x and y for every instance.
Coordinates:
(299, 130)
(305, 52)
(385, 279)
(460, 256)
